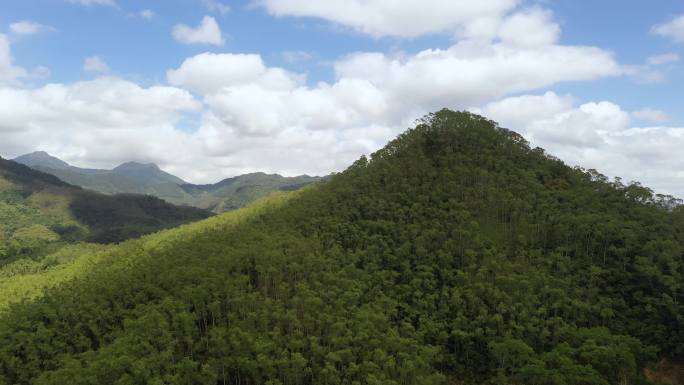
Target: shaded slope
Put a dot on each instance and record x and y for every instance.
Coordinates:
(456, 254)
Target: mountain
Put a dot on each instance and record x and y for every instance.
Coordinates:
(149, 179)
(236, 192)
(456, 254)
(40, 213)
(42, 159)
(146, 174)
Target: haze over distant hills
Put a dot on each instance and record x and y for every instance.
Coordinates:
(149, 179)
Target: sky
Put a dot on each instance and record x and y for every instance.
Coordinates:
(209, 89)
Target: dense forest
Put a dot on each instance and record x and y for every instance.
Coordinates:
(456, 254)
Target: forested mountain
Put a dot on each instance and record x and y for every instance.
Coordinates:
(456, 254)
(39, 213)
(149, 179)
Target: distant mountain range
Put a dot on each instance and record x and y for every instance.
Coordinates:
(149, 179)
(40, 213)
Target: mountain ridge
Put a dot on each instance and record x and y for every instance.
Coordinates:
(149, 179)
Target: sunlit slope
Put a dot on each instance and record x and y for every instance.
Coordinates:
(27, 279)
(35, 221)
(456, 254)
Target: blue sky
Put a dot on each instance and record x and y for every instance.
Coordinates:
(337, 84)
(624, 27)
(144, 49)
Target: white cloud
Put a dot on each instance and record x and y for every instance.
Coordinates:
(467, 73)
(258, 116)
(597, 135)
(530, 28)
(93, 2)
(519, 111)
(98, 122)
(666, 58)
(261, 117)
(208, 73)
(673, 29)
(8, 71)
(216, 6)
(651, 115)
(147, 14)
(28, 27)
(95, 64)
(408, 18)
(208, 32)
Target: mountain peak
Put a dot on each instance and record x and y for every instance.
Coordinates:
(137, 165)
(146, 173)
(43, 159)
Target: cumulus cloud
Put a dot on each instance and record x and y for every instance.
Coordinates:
(519, 111)
(95, 64)
(259, 116)
(466, 72)
(597, 135)
(96, 122)
(256, 113)
(209, 72)
(407, 18)
(8, 71)
(207, 32)
(28, 27)
(530, 28)
(673, 29)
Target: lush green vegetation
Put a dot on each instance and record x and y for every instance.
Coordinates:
(148, 179)
(28, 278)
(39, 214)
(456, 254)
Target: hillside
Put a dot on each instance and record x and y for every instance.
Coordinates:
(149, 179)
(39, 214)
(455, 255)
